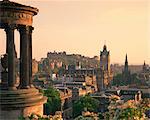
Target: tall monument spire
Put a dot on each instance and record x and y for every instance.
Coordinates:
(144, 66)
(126, 63)
(126, 73)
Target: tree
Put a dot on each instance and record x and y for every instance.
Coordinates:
(135, 79)
(117, 80)
(129, 110)
(86, 102)
(54, 102)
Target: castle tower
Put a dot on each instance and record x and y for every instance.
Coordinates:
(104, 73)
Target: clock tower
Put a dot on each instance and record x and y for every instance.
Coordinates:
(104, 73)
(105, 59)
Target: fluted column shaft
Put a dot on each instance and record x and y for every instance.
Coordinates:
(30, 56)
(11, 56)
(24, 56)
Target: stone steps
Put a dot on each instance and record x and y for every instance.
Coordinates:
(18, 95)
(21, 98)
(24, 104)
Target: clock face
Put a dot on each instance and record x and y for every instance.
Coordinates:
(104, 56)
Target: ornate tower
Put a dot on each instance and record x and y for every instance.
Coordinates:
(23, 99)
(105, 59)
(104, 74)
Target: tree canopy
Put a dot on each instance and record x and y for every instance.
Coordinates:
(54, 102)
(85, 102)
(118, 80)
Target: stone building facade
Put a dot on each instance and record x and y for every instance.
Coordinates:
(144, 75)
(34, 66)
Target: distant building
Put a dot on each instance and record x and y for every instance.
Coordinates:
(78, 92)
(66, 101)
(130, 94)
(74, 70)
(104, 73)
(104, 101)
(78, 65)
(88, 80)
(144, 75)
(34, 66)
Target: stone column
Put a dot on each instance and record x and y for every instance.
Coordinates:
(4, 72)
(11, 56)
(30, 56)
(24, 57)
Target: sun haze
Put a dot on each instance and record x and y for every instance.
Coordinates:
(82, 26)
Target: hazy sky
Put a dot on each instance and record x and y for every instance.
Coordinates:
(82, 26)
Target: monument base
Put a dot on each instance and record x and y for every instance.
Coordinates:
(21, 102)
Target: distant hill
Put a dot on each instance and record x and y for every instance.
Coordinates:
(73, 59)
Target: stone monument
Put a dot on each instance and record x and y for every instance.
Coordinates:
(24, 99)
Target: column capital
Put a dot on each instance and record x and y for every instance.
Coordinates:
(31, 29)
(10, 27)
(25, 29)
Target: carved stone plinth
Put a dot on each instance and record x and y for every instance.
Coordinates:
(21, 102)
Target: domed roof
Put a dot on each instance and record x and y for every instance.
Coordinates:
(6, 4)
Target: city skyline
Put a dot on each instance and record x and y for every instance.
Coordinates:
(81, 27)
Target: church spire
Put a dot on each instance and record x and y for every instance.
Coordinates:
(126, 72)
(144, 66)
(144, 63)
(126, 63)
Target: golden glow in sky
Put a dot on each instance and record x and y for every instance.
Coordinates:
(82, 26)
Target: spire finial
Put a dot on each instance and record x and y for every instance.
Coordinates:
(126, 61)
(105, 47)
(144, 67)
(144, 63)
